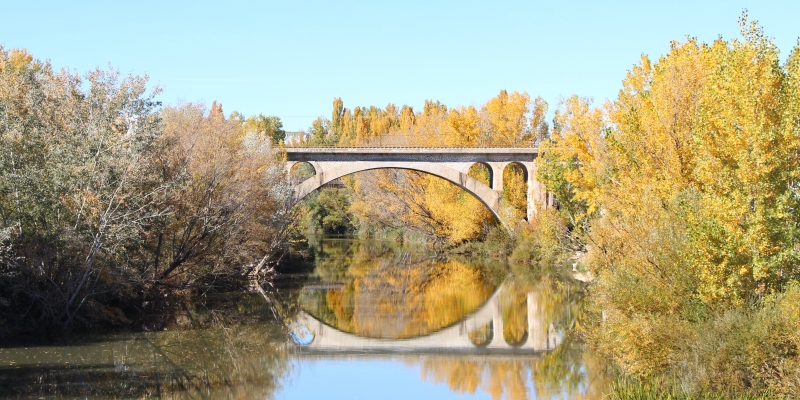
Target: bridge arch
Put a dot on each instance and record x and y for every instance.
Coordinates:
(480, 168)
(302, 170)
(518, 166)
(487, 196)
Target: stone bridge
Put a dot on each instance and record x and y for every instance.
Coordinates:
(454, 338)
(451, 164)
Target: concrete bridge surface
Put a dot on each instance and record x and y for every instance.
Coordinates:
(449, 163)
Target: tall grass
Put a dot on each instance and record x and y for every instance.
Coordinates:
(631, 389)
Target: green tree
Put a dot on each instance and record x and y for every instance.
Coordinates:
(271, 127)
(330, 211)
(76, 188)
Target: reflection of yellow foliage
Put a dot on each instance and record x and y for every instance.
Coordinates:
(402, 297)
(456, 291)
(406, 301)
(481, 336)
(337, 303)
(499, 378)
(514, 309)
(560, 374)
(391, 298)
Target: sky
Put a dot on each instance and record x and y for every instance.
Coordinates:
(292, 58)
(354, 378)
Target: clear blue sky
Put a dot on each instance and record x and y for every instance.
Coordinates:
(291, 58)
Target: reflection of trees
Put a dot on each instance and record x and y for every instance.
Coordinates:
(514, 309)
(499, 378)
(552, 375)
(568, 371)
(245, 361)
(390, 292)
(558, 296)
(236, 362)
(482, 335)
(570, 368)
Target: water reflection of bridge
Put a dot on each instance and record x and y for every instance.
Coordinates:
(453, 339)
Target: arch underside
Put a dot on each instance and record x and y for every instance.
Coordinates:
(487, 196)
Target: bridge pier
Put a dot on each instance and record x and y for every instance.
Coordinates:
(498, 337)
(536, 193)
(497, 175)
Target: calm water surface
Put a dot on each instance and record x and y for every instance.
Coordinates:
(373, 320)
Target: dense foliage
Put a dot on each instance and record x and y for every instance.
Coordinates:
(683, 194)
(107, 201)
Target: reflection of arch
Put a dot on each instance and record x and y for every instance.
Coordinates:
(482, 336)
(452, 338)
(519, 342)
(484, 193)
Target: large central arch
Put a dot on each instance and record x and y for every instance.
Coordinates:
(487, 196)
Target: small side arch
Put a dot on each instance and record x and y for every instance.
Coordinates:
(485, 194)
(517, 195)
(482, 171)
(520, 167)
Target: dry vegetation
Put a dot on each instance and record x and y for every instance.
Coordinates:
(107, 201)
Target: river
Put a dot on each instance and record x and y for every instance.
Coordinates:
(371, 319)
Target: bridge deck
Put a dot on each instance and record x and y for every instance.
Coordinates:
(420, 154)
(355, 153)
(411, 148)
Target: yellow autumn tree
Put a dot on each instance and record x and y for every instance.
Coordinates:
(683, 193)
(422, 203)
(464, 125)
(508, 121)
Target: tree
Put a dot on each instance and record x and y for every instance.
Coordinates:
(271, 127)
(507, 121)
(76, 187)
(683, 193)
(330, 211)
(228, 201)
(106, 200)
